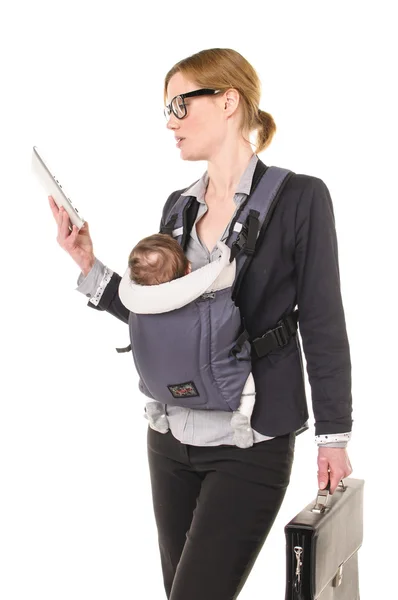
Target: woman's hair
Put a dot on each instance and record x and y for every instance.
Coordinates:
(223, 68)
(156, 259)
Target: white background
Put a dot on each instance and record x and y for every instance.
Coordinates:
(84, 83)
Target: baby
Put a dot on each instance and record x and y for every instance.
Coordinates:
(157, 259)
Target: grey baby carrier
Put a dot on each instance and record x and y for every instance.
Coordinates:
(199, 355)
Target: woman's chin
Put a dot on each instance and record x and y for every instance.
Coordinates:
(190, 156)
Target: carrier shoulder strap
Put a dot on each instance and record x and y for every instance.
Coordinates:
(253, 218)
(249, 223)
(180, 217)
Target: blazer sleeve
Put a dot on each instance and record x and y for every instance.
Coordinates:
(321, 313)
(110, 300)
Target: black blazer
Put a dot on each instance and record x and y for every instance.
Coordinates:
(295, 264)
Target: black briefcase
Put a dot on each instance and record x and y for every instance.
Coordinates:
(322, 544)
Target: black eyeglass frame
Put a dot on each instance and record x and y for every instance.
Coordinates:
(168, 109)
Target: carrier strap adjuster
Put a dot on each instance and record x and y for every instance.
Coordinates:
(278, 337)
(244, 336)
(281, 336)
(127, 349)
(247, 237)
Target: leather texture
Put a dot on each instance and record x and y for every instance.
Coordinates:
(330, 541)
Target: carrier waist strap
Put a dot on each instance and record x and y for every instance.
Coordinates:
(278, 337)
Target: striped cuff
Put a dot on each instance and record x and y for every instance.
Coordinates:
(101, 288)
(333, 440)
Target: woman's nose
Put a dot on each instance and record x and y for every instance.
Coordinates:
(172, 123)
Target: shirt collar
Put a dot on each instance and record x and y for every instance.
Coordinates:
(199, 188)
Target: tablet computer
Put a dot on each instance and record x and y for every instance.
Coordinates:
(53, 187)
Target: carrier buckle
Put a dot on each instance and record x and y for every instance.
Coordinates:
(280, 335)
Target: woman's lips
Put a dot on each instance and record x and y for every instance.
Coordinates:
(179, 142)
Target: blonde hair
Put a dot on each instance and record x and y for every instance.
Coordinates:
(156, 259)
(223, 68)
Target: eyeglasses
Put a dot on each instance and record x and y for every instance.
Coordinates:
(178, 106)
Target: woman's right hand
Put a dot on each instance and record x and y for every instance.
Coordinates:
(77, 243)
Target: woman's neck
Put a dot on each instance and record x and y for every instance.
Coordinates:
(225, 172)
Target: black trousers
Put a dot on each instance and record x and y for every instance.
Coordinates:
(214, 507)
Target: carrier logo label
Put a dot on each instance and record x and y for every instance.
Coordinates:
(183, 390)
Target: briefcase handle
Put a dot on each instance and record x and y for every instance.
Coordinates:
(323, 496)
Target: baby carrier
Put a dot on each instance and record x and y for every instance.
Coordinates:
(197, 353)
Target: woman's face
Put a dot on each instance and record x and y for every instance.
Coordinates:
(204, 127)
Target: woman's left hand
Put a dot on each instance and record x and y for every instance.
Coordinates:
(337, 462)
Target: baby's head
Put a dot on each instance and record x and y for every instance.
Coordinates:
(156, 259)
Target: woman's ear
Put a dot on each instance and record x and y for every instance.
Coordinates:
(189, 268)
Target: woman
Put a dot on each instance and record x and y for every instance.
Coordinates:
(215, 503)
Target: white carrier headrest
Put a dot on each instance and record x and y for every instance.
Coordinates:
(152, 299)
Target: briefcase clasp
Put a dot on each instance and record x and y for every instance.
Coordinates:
(338, 577)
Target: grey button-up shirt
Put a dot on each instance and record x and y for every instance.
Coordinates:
(194, 426)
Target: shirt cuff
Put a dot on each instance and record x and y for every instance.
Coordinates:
(333, 440)
(333, 445)
(95, 282)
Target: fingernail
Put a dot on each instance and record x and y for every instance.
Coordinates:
(322, 484)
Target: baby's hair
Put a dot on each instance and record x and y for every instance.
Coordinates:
(156, 259)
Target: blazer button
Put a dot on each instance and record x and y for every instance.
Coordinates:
(88, 295)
